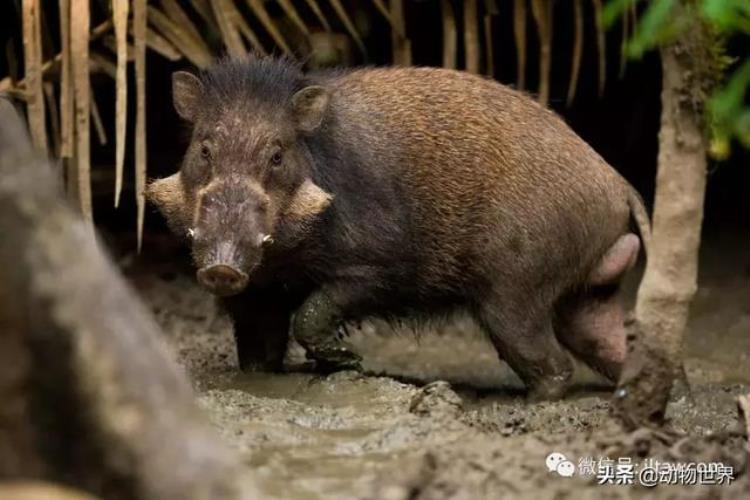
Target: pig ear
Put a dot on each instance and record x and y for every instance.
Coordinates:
(308, 202)
(168, 196)
(186, 90)
(309, 106)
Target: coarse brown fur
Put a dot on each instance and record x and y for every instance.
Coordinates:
(437, 189)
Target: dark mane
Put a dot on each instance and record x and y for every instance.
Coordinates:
(271, 80)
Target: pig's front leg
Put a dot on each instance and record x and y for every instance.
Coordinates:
(315, 326)
(261, 321)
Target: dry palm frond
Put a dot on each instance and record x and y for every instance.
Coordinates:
(291, 11)
(54, 117)
(203, 8)
(236, 18)
(97, 119)
(575, 64)
(10, 57)
(34, 81)
(349, 25)
(79, 45)
(174, 11)
(6, 84)
(195, 50)
(519, 32)
(449, 34)
(120, 10)
(229, 33)
(491, 9)
(110, 42)
(161, 45)
(488, 43)
(401, 44)
(601, 46)
(383, 9)
(262, 14)
(140, 14)
(66, 88)
(471, 36)
(542, 12)
(98, 63)
(313, 4)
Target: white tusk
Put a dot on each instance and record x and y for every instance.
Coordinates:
(191, 233)
(267, 239)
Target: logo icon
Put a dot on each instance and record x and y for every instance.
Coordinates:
(557, 462)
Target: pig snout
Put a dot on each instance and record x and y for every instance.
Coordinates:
(222, 279)
(223, 270)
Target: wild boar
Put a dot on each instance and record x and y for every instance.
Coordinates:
(320, 198)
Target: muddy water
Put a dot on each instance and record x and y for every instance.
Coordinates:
(396, 433)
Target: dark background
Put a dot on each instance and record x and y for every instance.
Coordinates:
(622, 124)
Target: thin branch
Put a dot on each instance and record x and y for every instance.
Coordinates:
(575, 64)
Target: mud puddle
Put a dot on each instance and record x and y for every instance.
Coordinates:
(397, 433)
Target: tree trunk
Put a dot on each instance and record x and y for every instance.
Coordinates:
(89, 395)
(655, 335)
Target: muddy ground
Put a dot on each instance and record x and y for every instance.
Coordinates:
(437, 416)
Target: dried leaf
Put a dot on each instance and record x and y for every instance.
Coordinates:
(6, 84)
(203, 8)
(601, 46)
(10, 57)
(449, 34)
(236, 18)
(32, 50)
(66, 89)
(139, 34)
(519, 32)
(110, 42)
(97, 118)
(383, 9)
(172, 9)
(313, 4)
(98, 63)
(229, 33)
(120, 11)
(160, 45)
(54, 117)
(542, 12)
(401, 44)
(471, 36)
(262, 14)
(491, 8)
(488, 43)
(79, 45)
(575, 64)
(349, 25)
(291, 11)
(196, 51)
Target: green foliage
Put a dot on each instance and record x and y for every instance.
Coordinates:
(661, 22)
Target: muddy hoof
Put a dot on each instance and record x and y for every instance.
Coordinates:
(335, 360)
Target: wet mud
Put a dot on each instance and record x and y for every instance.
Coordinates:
(437, 416)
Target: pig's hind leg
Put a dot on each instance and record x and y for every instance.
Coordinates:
(590, 322)
(521, 330)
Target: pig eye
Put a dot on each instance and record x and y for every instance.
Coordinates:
(276, 158)
(205, 152)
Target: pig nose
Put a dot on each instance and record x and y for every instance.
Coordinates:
(222, 279)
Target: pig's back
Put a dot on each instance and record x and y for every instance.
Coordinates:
(481, 164)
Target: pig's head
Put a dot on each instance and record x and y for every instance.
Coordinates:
(246, 173)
